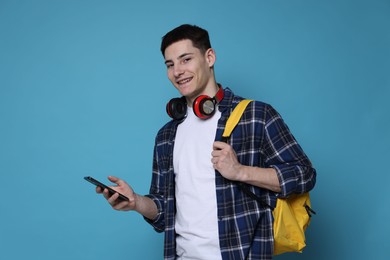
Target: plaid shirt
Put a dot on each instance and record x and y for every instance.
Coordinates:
(260, 139)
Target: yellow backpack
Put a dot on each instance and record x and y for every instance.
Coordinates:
(291, 215)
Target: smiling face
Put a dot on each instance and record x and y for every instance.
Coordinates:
(190, 71)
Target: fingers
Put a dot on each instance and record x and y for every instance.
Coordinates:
(215, 153)
(220, 150)
(106, 194)
(119, 204)
(222, 156)
(99, 190)
(114, 199)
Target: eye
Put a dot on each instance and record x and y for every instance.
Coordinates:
(169, 65)
(186, 60)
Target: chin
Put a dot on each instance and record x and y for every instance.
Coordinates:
(185, 90)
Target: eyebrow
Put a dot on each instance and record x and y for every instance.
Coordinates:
(180, 57)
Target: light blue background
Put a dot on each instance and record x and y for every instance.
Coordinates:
(83, 92)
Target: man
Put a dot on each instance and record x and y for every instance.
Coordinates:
(195, 196)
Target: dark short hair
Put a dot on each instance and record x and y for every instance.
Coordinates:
(198, 36)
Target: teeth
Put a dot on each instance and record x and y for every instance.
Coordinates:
(184, 81)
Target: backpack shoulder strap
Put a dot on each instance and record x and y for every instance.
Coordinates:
(235, 117)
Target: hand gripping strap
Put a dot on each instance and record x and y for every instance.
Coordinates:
(230, 125)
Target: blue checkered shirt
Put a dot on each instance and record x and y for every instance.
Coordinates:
(260, 139)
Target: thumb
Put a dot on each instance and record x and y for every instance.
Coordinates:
(117, 181)
(113, 179)
(219, 145)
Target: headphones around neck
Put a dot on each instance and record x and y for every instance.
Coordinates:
(203, 106)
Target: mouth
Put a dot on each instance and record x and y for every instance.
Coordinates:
(184, 81)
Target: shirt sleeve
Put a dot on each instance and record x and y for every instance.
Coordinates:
(156, 193)
(158, 223)
(283, 153)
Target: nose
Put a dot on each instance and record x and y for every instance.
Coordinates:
(177, 70)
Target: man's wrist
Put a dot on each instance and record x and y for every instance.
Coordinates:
(242, 175)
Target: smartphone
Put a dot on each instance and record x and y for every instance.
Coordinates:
(103, 186)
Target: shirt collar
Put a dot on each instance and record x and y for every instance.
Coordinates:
(227, 100)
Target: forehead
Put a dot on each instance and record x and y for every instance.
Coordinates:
(177, 49)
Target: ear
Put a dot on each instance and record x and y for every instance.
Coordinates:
(210, 57)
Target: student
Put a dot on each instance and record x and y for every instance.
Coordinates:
(194, 195)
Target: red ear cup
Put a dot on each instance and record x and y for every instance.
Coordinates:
(204, 106)
(177, 108)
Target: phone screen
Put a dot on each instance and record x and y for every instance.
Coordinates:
(103, 186)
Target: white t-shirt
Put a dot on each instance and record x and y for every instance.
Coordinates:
(196, 222)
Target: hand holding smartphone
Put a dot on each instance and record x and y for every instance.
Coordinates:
(103, 186)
